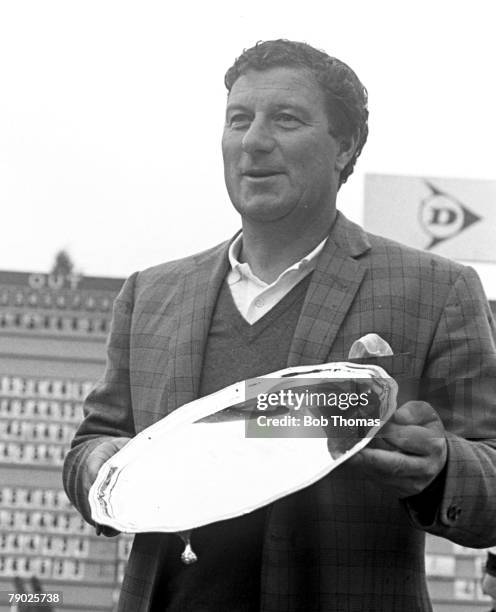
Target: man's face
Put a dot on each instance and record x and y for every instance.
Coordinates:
(280, 160)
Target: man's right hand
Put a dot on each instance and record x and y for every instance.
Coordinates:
(94, 462)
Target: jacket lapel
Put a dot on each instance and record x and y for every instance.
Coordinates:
(195, 299)
(333, 286)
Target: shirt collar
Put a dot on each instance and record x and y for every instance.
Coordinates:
(243, 270)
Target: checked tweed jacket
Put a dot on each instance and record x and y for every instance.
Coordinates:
(345, 544)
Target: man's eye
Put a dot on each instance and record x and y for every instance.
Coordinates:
(287, 120)
(239, 121)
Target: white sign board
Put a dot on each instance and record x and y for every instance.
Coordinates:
(452, 217)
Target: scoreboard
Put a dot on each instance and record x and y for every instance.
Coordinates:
(52, 350)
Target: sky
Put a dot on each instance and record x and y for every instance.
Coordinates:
(111, 114)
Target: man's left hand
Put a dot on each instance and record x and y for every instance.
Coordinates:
(408, 452)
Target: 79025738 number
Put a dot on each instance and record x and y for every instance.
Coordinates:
(52, 597)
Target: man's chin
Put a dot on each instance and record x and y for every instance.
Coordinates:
(263, 210)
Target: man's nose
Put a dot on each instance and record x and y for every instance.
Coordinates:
(258, 137)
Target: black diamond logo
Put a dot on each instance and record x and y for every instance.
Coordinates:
(443, 216)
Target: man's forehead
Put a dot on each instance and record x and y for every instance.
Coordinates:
(278, 83)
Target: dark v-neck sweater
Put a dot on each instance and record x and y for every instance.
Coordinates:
(226, 577)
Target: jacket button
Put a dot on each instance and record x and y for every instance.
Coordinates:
(453, 513)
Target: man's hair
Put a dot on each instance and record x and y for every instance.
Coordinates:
(345, 96)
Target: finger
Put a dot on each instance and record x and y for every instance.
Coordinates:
(406, 475)
(97, 458)
(390, 465)
(415, 413)
(415, 439)
(101, 454)
(380, 442)
(108, 448)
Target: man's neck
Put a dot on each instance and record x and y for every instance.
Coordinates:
(269, 250)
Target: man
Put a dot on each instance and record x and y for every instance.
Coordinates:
(298, 286)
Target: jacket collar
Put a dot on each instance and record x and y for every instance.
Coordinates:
(348, 237)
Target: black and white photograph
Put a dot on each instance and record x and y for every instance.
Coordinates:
(247, 306)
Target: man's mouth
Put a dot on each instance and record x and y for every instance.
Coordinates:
(259, 173)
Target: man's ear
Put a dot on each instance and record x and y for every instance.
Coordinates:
(347, 148)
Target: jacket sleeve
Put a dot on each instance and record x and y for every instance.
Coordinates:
(108, 408)
(460, 383)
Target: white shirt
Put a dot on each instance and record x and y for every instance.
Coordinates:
(252, 296)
